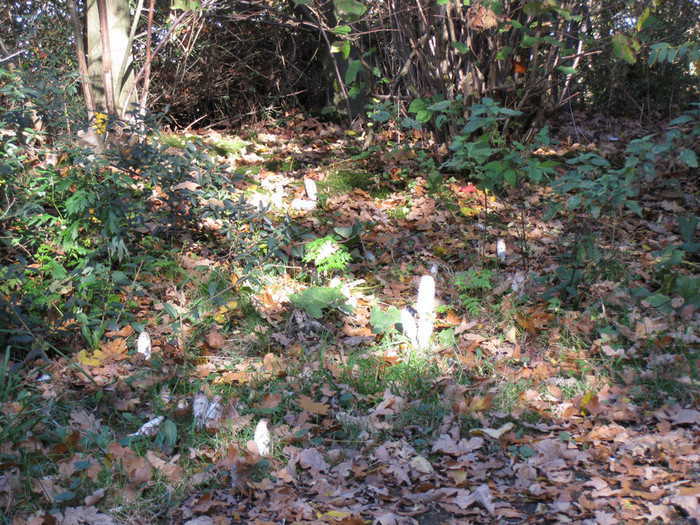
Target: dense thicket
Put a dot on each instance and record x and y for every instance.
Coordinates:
(235, 60)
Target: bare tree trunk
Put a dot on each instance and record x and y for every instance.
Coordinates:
(109, 52)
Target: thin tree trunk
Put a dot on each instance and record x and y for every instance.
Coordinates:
(82, 61)
(107, 76)
(149, 57)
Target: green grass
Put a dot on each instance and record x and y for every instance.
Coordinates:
(508, 396)
(229, 145)
(344, 181)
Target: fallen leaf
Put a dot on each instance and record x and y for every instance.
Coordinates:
(310, 458)
(214, 339)
(495, 433)
(308, 404)
(422, 465)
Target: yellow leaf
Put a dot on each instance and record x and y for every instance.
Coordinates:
(84, 358)
(333, 514)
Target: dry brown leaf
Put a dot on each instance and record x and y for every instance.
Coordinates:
(115, 350)
(124, 332)
(215, 340)
(308, 404)
(310, 458)
(274, 364)
(271, 401)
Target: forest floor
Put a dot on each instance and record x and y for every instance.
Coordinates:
(533, 404)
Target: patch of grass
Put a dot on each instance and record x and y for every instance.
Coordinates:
(286, 164)
(399, 213)
(508, 396)
(229, 145)
(344, 181)
(174, 141)
(424, 414)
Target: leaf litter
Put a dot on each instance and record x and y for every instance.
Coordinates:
(569, 445)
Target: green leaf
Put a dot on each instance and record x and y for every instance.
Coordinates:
(633, 206)
(185, 5)
(504, 53)
(461, 47)
(643, 18)
(314, 300)
(510, 176)
(567, 70)
(689, 158)
(529, 41)
(687, 225)
(573, 202)
(625, 47)
(423, 116)
(349, 7)
(409, 123)
(64, 496)
(383, 321)
(417, 104)
(532, 8)
(658, 299)
(169, 432)
(354, 67)
(342, 30)
(443, 105)
(345, 49)
(526, 451)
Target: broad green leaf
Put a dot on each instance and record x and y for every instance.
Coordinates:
(529, 41)
(384, 320)
(349, 7)
(461, 47)
(443, 105)
(409, 123)
(625, 48)
(573, 202)
(504, 53)
(185, 5)
(510, 176)
(416, 105)
(423, 116)
(658, 299)
(314, 300)
(567, 70)
(354, 67)
(643, 18)
(689, 158)
(687, 225)
(633, 206)
(342, 30)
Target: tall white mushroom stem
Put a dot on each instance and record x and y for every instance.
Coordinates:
(425, 308)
